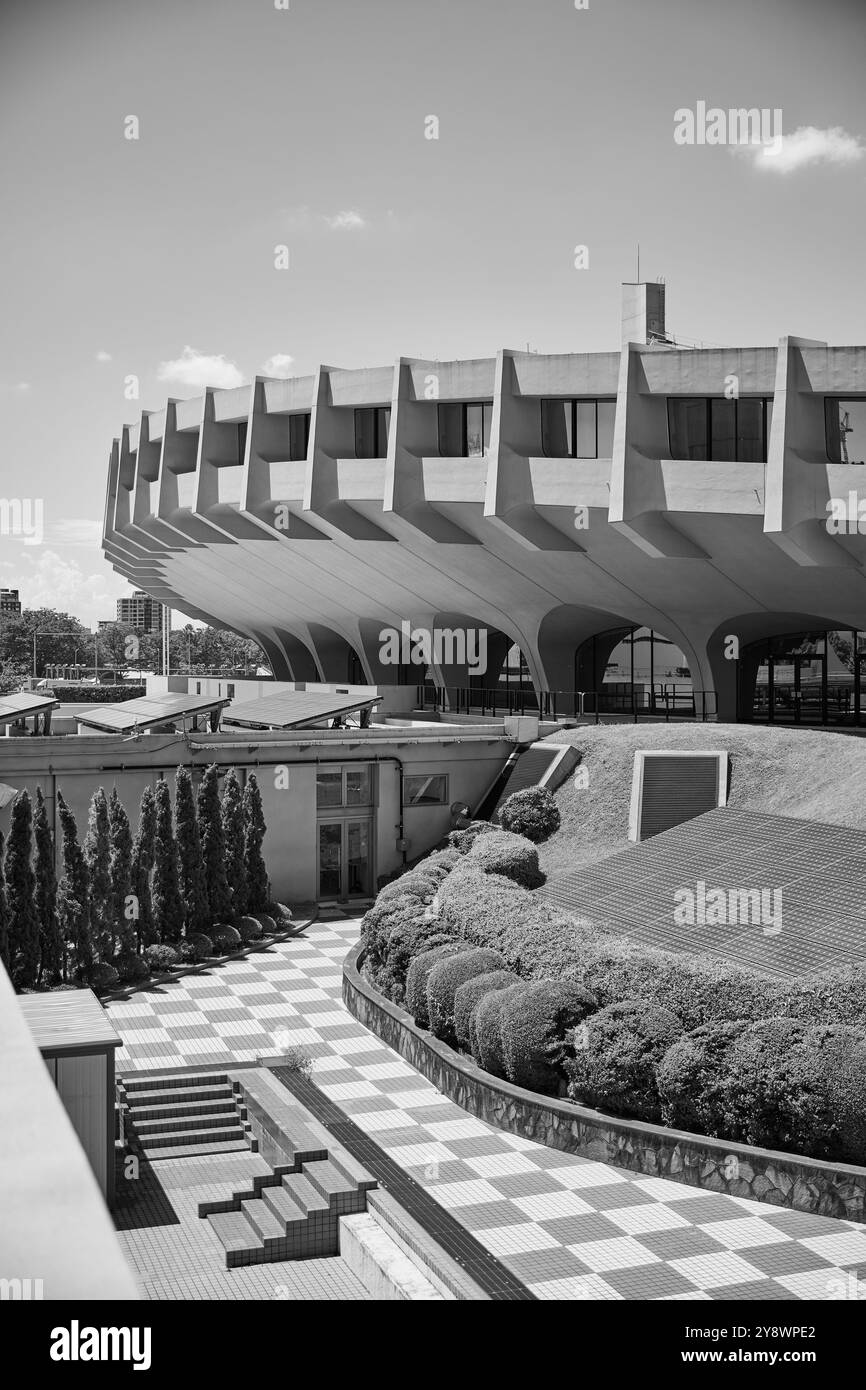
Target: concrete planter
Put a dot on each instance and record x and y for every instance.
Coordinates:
(764, 1175)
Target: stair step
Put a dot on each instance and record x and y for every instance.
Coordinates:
(190, 1137)
(224, 1146)
(304, 1195)
(149, 1082)
(287, 1211)
(178, 1095)
(264, 1221)
(182, 1124)
(236, 1236)
(220, 1105)
(357, 1175)
(341, 1195)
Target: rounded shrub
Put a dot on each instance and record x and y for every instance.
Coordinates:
(463, 840)
(131, 969)
(467, 995)
(513, 856)
(418, 973)
(479, 906)
(383, 917)
(406, 941)
(160, 957)
(103, 977)
(532, 812)
(225, 938)
(445, 979)
(616, 1053)
(836, 995)
(485, 1035)
(249, 929)
(691, 1079)
(200, 946)
(534, 1025)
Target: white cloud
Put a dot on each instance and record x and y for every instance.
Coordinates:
(75, 531)
(278, 364)
(46, 580)
(21, 387)
(194, 368)
(806, 145)
(347, 221)
(103, 356)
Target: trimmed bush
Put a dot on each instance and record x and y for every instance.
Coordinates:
(225, 938)
(531, 812)
(485, 1036)
(383, 918)
(131, 969)
(200, 945)
(509, 855)
(445, 979)
(616, 1053)
(534, 1026)
(463, 840)
(837, 995)
(160, 957)
(417, 975)
(691, 1078)
(408, 940)
(249, 929)
(103, 977)
(467, 995)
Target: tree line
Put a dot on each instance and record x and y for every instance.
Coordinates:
(189, 868)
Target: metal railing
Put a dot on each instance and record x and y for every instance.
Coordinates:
(662, 702)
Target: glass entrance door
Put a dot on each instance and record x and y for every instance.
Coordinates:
(345, 862)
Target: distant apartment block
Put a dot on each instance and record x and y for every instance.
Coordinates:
(141, 612)
(669, 524)
(9, 602)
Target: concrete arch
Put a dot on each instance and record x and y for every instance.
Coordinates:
(334, 652)
(734, 678)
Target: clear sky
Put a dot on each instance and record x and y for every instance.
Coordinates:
(306, 126)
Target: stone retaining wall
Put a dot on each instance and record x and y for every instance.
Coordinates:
(781, 1179)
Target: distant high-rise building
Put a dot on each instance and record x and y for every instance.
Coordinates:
(9, 601)
(142, 612)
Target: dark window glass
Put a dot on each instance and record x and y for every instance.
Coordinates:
(846, 430)
(464, 430)
(687, 427)
(365, 434)
(358, 786)
(750, 431)
(723, 430)
(451, 430)
(606, 417)
(425, 790)
(242, 441)
(299, 436)
(329, 788)
(556, 428)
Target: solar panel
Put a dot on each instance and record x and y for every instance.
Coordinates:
(291, 709)
(649, 891)
(150, 709)
(22, 703)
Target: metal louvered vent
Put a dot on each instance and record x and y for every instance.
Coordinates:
(670, 788)
(527, 771)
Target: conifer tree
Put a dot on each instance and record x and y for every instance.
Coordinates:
(50, 939)
(73, 899)
(120, 873)
(213, 847)
(97, 856)
(21, 894)
(165, 893)
(233, 838)
(142, 864)
(258, 887)
(193, 889)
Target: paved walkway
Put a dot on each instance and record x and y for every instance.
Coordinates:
(568, 1227)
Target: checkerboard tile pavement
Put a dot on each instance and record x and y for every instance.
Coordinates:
(567, 1227)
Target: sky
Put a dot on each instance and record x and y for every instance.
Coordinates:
(307, 126)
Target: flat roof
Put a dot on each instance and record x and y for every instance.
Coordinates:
(294, 709)
(25, 702)
(67, 1020)
(149, 710)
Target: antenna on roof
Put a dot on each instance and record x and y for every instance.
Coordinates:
(638, 263)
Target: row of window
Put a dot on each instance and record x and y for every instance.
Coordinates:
(699, 427)
(353, 786)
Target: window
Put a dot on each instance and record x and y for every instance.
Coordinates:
(719, 430)
(464, 430)
(350, 786)
(299, 436)
(425, 789)
(230, 691)
(371, 432)
(846, 430)
(580, 429)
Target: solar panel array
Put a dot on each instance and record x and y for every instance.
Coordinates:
(819, 870)
(152, 709)
(294, 708)
(19, 705)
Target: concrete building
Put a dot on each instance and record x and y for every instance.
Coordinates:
(9, 602)
(141, 611)
(701, 505)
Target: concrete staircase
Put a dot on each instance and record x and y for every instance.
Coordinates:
(169, 1116)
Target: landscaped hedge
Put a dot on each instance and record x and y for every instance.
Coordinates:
(96, 694)
(419, 972)
(445, 979)
(485, 1028)
(616, 1053)
(507, 854)
(534, 1025)
(467, 996)
(532, 812)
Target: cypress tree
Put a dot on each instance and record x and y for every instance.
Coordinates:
(120, 873)
(193, 889)
(73, 898)
(142, 863)
(233, 838)
(50, 939)
(4, 917)
(258, 887)
(97, 856)
(213, 847)
(21, 894)
(165, 894)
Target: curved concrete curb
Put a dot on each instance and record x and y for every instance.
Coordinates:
(764, 1175)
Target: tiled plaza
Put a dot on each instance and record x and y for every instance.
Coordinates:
(567, 1227)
